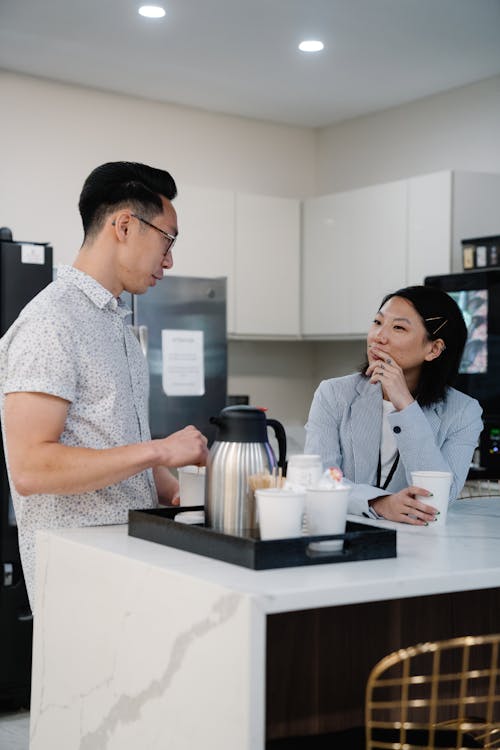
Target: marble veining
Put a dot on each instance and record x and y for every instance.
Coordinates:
(128, 708)
(106, 666)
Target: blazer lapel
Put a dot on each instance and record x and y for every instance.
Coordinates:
(366, 422)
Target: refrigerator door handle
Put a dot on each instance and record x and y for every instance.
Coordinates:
(28, 617)
(141, 333)
(8, 574)
(143, 339)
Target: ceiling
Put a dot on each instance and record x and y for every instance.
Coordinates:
(240, 57)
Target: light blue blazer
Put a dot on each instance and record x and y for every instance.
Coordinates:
(345, 428)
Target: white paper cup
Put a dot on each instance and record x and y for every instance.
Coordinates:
(192, 485)
(326, 513)
(304, 469)
(280, 512)
(439, 483)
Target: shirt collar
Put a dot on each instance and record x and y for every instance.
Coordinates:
(100, 296)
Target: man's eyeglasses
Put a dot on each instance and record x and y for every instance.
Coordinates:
(170, 238)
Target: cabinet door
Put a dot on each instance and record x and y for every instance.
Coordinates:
(429, 226)
(354, 253)
(476, 201)
(267, 298)
(206, 237)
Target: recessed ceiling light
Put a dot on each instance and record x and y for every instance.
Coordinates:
(152, 11)
(311, 45)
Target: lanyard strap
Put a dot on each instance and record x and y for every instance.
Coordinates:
(390, 474)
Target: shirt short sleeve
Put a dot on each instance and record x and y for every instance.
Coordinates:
(41, 358)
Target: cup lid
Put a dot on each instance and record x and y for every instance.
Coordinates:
(304, 459)
(192, 469)
(280, 491)
(190, 517)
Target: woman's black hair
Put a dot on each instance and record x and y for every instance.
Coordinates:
(121, 183)
(442, 319)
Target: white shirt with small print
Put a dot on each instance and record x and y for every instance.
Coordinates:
(73, 341)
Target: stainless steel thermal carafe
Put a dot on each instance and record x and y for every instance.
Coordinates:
(241, 449)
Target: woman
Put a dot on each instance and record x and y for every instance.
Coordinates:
(400, 414)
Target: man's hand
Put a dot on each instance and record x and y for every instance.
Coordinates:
(405, 507)
(184, 448)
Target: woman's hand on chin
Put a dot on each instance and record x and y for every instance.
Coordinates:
(389, 374)
(405, 507)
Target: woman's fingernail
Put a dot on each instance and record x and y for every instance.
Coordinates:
(438, 513)
(426, 523)
(431, 494)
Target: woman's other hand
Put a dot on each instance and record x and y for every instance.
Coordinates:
(405, 507)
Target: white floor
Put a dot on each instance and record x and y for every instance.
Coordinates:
(14, 730)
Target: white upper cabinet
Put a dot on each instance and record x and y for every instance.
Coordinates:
(267, 266)
(356, 247)
(429, 226)
(206, 237)
(354, 252)
(476, 201)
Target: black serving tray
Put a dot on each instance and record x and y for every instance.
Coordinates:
(361, 542)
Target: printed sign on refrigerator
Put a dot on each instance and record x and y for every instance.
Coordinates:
(31, 253)
(183, 363)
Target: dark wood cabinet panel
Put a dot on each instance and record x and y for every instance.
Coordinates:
(318, 661)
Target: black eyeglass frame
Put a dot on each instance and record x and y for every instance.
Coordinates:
(170, 237)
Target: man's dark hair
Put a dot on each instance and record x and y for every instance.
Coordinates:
(442, 319)
(123, 183)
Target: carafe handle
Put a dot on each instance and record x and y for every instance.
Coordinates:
(280, 433)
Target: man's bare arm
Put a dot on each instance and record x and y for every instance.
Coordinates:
(39, 463)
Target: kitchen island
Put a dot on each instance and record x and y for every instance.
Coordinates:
(137, 645)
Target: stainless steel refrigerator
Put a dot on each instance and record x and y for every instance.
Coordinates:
(181, 324)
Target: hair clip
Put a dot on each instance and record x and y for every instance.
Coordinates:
(436, 317)
(439, 327)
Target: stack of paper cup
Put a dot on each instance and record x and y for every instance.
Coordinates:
(439, 483)
(304, 469)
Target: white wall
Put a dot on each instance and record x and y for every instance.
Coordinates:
(52, 135)
(456, 130)
(284, 374)
(278, 375)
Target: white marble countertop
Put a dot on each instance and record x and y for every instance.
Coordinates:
(465, 556)
(128, 633)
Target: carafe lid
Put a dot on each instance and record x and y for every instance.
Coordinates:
(241, 424)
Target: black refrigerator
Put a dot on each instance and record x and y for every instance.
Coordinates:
(25, 269)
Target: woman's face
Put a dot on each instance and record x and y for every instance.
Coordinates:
(399, 333)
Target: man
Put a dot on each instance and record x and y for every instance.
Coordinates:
(73, 379)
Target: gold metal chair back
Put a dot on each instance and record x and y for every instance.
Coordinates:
(444, 694)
